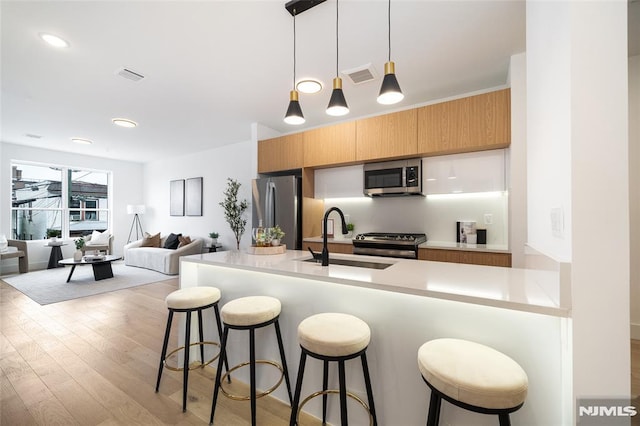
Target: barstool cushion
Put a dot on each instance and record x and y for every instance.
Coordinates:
(192, 297)
(251, 310)
(334, 334)
(473, 373)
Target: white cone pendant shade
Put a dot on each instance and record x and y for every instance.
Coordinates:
(337, 104)
(294, 112)
(390, 92)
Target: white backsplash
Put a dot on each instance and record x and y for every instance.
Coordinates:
(436, 217)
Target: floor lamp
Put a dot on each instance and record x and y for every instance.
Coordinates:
(135, 210)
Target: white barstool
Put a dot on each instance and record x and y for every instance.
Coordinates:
(472, 376)
(333, 337)
(250, 313)
(189, 300)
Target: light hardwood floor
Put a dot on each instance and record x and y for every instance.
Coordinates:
(93, 361)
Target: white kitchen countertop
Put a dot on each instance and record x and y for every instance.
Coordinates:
(525, 290)
(438, 245)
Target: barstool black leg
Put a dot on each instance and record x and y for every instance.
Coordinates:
(164, 348)
(434, 409)
(344, 421)
(185, 374)
(221, 360)
(325, 385)
(296, 398)
(219, 324)
(284, 361)
(201, 336)
(367, 382)
(252, 373)
(504, 419)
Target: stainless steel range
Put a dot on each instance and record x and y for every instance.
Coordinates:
(390, 245)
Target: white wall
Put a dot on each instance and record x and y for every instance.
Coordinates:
(214, 166)
(127, 189)
(634, 190)
(577, 147)
(517, 160)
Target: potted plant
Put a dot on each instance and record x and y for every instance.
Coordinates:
(214, 238)
(350, 228)
(234, 210)
(53, 234)
(276, 235)
(77, 256)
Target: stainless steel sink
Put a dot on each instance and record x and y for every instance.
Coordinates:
(355, 263)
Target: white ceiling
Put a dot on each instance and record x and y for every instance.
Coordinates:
(214, 67)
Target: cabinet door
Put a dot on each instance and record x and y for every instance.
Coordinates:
(330, 145)
(470, 124)
(443, 127)
(490, 120)
(282, 153)
(387, 136)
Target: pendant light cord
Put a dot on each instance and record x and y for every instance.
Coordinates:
(389, 27)
(294, 49)
(337, 56)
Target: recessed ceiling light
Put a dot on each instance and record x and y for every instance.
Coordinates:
(54, 40)
(309, 86)
(123, 122)
(81, 141)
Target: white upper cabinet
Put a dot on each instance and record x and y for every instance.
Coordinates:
(482, 171)
(339, 182)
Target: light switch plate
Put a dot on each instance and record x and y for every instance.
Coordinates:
(488, 219)
(557, 222)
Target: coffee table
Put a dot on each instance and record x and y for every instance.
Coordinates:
(101, 268)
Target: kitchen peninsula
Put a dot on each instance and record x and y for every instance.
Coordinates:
(516, 311)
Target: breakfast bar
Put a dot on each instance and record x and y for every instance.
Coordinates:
(406, 303)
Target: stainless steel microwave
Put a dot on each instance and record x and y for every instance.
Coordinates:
(392, 178)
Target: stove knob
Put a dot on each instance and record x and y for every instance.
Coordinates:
(412, 238)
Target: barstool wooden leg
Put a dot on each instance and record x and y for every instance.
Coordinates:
(221, 360)
(434, 409)
(164, 348)
(344, 420)
(219, 324)
(185, 373)
(284, 361)
(296, 397)
(325, 385)
(367, 382)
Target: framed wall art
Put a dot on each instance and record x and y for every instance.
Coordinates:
(176, 197)
(193, 197)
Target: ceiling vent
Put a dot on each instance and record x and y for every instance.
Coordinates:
(360, 74)
(130, 75)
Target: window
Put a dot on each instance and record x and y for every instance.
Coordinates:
(50, 201)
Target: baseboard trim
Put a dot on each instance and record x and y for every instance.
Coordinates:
(635, 331)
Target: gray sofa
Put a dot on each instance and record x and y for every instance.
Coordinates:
(162, 260)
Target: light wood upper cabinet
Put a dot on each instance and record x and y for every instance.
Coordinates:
(282, 153)
(469, 124)
(330, 145)
(387, 136)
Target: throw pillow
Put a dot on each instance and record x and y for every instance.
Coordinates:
(99, 238)
(151, 240)
(172, 241)
(184, 241)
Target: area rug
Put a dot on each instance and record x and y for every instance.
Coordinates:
(51, 286)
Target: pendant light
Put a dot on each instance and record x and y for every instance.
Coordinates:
(337, 104)
(390, 92)
(294, 112)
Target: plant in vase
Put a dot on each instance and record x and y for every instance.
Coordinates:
(277, 234)
(77, 256)
(214, 238)
(350, 228)
(234, 210)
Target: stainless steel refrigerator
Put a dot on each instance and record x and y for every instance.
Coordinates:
(278, 201)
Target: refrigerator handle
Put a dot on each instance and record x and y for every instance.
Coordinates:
(270, 205)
